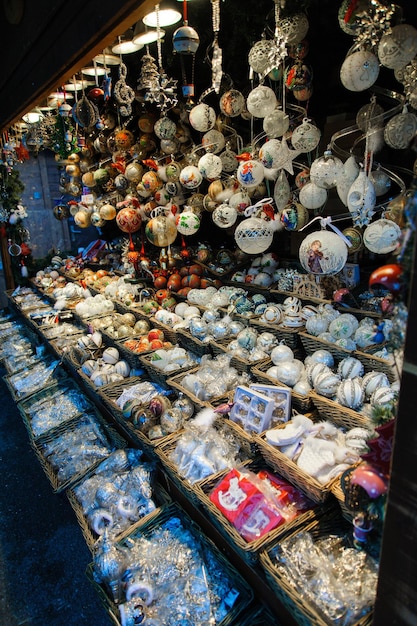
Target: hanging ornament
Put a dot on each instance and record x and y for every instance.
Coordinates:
(85, 113)
(294, 216)
(261, 101)
(382, 236)
(398, 47)
(185, 42)
(187, 222)
(282, 191)
(305, 137)
(229, 161)
(294, 27)
(161, 230)
(165, 128)
(254, 235)
(134, 172)
(213, 141)
(191, 177)
(361, 199)
(107, 212)
(61, 212)
(312, 196)
(367, 21)
(250, 173)
(232, 103)
(370, 116)
(210, 166)
(302, 178)
(325, 170)
(240, 201)
(381, 182)
(400, 130)
(346, 177)
(82, 219)
(123, 93)
(324, 252)
(129, 220)
(224, 216)
(354, 235)
(276, 124)
(97, 220)
(359, 70)
(202, 117)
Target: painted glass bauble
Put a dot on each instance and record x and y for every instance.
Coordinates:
(224, 216)
(88, 179)
(381, 182)
(323, 252)
(261, 101)
(359, 70)
(298, 75)
(398, 47)
(294, 216)
(165, 128)
(240, 201)
(400, 130)
(129, 220)
(305, 137)
(82, 219)
(382, 236)
(101, 176)
(185, 40)
(254, 235)
(124, 139)
(173, 171)
(270, 153)
(232, 103)
(312, 196)
(302, 178)
(325, 170)
(213, 141)
(299, 50)
(161, 231)
(134, 172)
(259, 57)
(229, 161)
(191, 177)
(61, 212)
(151, 181)
(276, 123)
(107, 212)
(202, 117)
(210, 166)
(97, 220)
(187, 223)
(294, 28)
(361, 199)
(121, 182)
(250, 173)
(146, 122)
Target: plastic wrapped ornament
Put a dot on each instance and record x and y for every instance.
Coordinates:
(254, 235)
(276, 123)
(282, 191)
(213, 141)
(346, 177)
(325, 170)
(250, 173)
(202, 117)
(361, 199)
(398, 47)
(294, 28)
(400, 130)
(323, 253)
(210, 166)
(232, 103)
(165, 128)
(312, 196)
(306, 137)
(224, 216)
(382, 236)
(261, 101)
(161, 231)
(187, 223)
(359, 70)
(191, 177)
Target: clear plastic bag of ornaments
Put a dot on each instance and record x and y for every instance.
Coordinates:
(28, 381)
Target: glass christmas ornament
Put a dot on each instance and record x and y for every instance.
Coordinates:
(282, 191)
(294, 216)
(161, 231)
(370, 116)
(323, 253)
(259, 57)
(185, 40)
(165, 128)
(346, 177)
(191, 177)
(361, 199)
(232, 103)
(82, 219)
(210, 166)
(169, 146)
(302, 178)
(229, 161)
(173, 171)
(224, 216)
(109, 564)
(382, 236)
(187, 223)
(254, 235)
(325, 170)
(299, 50)
(261, 101)
(400, 130)
(129, 220)
(213, 141)
(151, 181)
(398, 47)
(250, 173)
(240, 201)
(97, 220)
(312, 196)
(298, 75)
(305, 137)
(270, 152)
(61, 212)
(359, 70)
(107, 212)
(276, 124)
(381, 182)
(88, 180)
(294, 28)
(101, 176)
(355, 237)
(134, 172)
(202, 117)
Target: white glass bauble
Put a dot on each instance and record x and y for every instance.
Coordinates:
(361, 198)
(323, 253)
(202, 117)
(187, 223)
(261, 101)
(381, 182)
(259, 55)
(305, 137)
(185, 40)
(240, 201)
(211, 166)
(232, 103)
(190, 177)
(325, 170)
(250, 173)
(347, 175)
(312, 197)
(282, 191)
(400, 130)
(370, 116)
(276, 123)
(398, 47)
(254, 235)
(294, 28)
(165, 128)
(382, 236)
(359, 70)
(229, 161)
(213, 141)
(270, 153)
(224, 216)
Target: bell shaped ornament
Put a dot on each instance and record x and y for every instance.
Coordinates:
(361, 200)
(346, 178)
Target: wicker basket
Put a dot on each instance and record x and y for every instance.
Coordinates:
(337, 492)
(372, 362)
(176, 382)
(338, 414)
(133, 358)
(192, 344)
(159, 376)
(289, 336)
(248, 551)
(301, 403)
(312, 297)
(298, 606)
(290, 470)
(114, 440)
(244, 592)
(311, 344)
(57, 375)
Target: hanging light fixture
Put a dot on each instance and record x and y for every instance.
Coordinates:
(143, 36)
(32, 116)
(93, 71)
(107, 58)
(125, 44)
(77, 85)
(167, 15)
